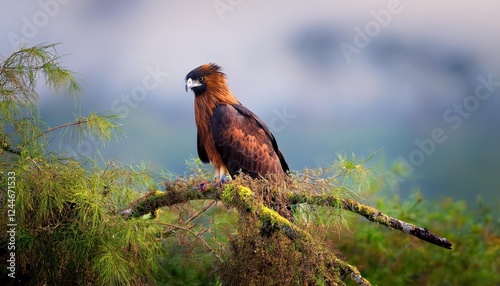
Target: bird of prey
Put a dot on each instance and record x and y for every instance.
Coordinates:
(230, 136)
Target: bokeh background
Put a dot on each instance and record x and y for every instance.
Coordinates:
(328, 77)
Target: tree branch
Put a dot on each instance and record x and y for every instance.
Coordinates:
(372, 214)
(8, 148)
(195, 235)
(177, 193)
(78, 122)
(236, 196)
(246, 201)
(375, 215)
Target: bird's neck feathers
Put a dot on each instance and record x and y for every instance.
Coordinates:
(217, 93)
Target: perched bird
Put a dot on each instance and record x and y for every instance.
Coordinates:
(230, 136)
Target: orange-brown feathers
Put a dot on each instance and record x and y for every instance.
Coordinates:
(215, 93)
(229, 135)
(212, 92)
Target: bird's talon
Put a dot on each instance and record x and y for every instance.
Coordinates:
(203, 186)
(225, 179)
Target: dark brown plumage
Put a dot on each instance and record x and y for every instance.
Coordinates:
(230, 136)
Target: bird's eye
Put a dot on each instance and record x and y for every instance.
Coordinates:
(201, 79)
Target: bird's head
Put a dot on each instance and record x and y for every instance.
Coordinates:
(207, 76)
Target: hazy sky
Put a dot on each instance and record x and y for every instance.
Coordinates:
(327, 76)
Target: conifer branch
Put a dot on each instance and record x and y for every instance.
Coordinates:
(76, 123)
(8, 148)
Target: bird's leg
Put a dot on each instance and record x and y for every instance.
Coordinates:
(221, 177)
(225, 178)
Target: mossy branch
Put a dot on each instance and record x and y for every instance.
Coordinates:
(6, 147)
(175, 193)
(372, 214)
(375, 215)
(178, 192)
(244, 200)
(247, 202)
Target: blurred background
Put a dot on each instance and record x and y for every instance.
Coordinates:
(418, 81)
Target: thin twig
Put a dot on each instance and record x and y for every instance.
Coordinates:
(78, 122)
(200, 212)
(195, 235)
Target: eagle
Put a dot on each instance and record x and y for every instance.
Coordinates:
(229, 135)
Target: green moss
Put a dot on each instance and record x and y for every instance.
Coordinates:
(273, 217)
(228, 194)
(245, 193)
(156, 195)
(246, 197)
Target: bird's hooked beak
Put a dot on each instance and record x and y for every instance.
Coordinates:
(191, 84)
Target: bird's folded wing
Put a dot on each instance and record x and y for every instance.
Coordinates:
(244, 142)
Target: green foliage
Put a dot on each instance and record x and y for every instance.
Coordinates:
(390, 258)
(195, 236)
(275, 259)
(384, 257)
(21, 128)
(270, 249)
(68, 223)
(20, 72)
(68, 228)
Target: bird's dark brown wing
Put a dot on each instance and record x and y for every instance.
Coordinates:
(245, 143)
(202, 153)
